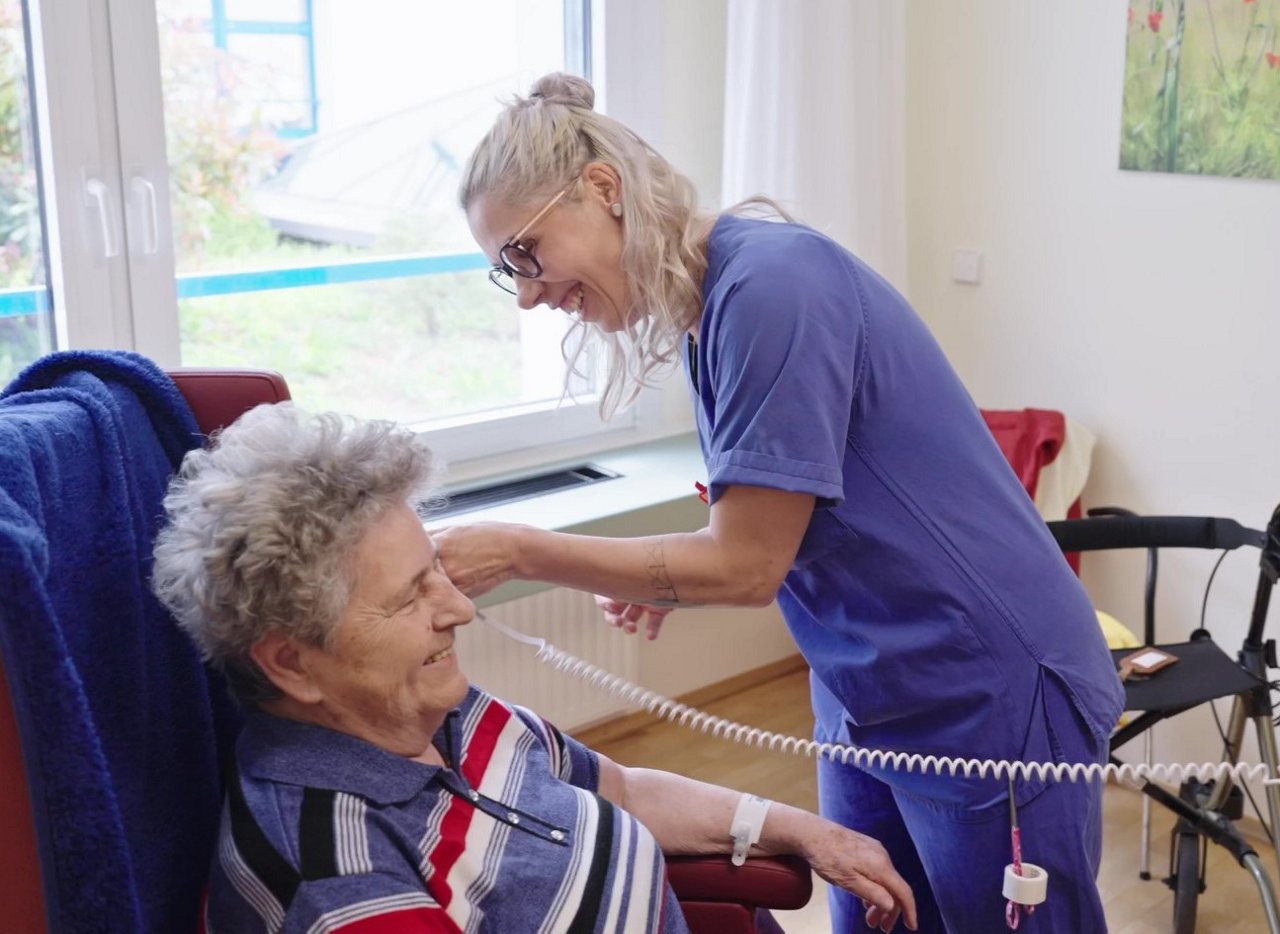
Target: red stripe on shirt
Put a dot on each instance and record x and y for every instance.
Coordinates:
(418, 920)
(452, 843)
(457, 820)
(484, 741)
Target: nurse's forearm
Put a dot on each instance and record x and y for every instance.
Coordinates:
(678, 569)
(740, 559)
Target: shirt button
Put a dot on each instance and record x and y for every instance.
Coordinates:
(513, 817)
(557, 836)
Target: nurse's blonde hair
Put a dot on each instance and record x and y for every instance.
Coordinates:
(541, 143)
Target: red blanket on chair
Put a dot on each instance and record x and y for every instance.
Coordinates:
(1030, 439)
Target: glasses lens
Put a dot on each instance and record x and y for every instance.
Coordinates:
(503, 281)
(520, 261)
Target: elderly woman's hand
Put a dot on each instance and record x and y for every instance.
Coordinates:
(477, 558)
(860, 865)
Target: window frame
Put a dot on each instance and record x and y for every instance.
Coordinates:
(224, 28)
(99, 113)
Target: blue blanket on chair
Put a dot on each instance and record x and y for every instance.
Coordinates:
(120, 725)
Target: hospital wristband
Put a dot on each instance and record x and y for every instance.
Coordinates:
(748, 823)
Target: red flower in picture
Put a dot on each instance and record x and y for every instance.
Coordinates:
(1273, 60)
(1153, 20)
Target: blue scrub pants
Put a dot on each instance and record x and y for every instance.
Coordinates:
(953, 857)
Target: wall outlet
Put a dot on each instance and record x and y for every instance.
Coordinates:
(966, 266)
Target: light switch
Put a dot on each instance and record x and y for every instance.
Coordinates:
(966, 266)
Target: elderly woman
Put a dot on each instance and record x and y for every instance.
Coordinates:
(376, 789)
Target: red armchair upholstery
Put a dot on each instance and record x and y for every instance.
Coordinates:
(716, 896)
(720, 898)
(218, 397)
(21, 893)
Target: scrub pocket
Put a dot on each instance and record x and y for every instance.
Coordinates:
(1056, 733)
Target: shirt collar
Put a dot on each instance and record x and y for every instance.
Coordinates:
(297, 753)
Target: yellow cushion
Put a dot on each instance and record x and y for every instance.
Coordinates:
(1117, 634)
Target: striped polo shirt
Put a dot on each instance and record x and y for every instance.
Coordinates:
(325, 832)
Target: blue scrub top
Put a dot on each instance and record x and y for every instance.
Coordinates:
(928, 596)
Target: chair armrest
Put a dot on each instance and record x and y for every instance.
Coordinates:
(782, 882)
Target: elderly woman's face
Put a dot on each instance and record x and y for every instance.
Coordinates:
(579, 246)
(390, 674)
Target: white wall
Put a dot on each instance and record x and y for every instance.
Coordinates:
(1145, 306)
(667, 80)
(693, 61)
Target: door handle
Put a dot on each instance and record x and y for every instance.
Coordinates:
(98, 197)
(143, 194)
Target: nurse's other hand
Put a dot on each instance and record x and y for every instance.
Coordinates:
(477, 558)
(859, 864)
(627, 616)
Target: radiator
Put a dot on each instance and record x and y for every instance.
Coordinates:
(569, 620)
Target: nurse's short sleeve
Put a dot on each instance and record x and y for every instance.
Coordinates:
(785, 343)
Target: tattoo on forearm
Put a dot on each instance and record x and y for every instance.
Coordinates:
(655, 563)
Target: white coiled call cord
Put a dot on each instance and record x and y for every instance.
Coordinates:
(1025, 884)
(695, 719)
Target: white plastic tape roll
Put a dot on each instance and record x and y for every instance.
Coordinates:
(1030, 888)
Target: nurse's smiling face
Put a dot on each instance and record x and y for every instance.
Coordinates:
(577, 242)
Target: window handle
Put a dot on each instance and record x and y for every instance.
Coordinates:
(144, 195)
(98, 197)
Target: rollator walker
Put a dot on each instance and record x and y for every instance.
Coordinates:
(1207, 811)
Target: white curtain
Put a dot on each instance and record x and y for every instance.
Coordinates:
(814, 118)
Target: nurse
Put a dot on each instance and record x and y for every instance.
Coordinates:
(850, 476)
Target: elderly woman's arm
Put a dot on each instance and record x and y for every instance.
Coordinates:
(690, 817)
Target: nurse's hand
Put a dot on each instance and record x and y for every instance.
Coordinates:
(627, 616)
(477, 558)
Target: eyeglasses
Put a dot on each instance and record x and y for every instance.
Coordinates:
(515, 259)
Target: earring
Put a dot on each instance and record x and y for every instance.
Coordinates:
(616, 209)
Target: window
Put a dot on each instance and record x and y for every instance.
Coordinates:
(26, 318)
(274, 39)
(280, 191)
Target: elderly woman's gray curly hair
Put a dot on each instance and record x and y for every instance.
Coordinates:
(262, 526)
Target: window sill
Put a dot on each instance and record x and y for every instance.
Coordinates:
(653, 493)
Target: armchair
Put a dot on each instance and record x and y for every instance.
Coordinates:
(36, 889)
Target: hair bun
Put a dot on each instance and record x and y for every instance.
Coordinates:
(560, 88)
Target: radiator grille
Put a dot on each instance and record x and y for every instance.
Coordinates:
(523, 488)
(569, 620)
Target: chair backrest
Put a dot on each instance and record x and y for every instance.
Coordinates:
(217, 398)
